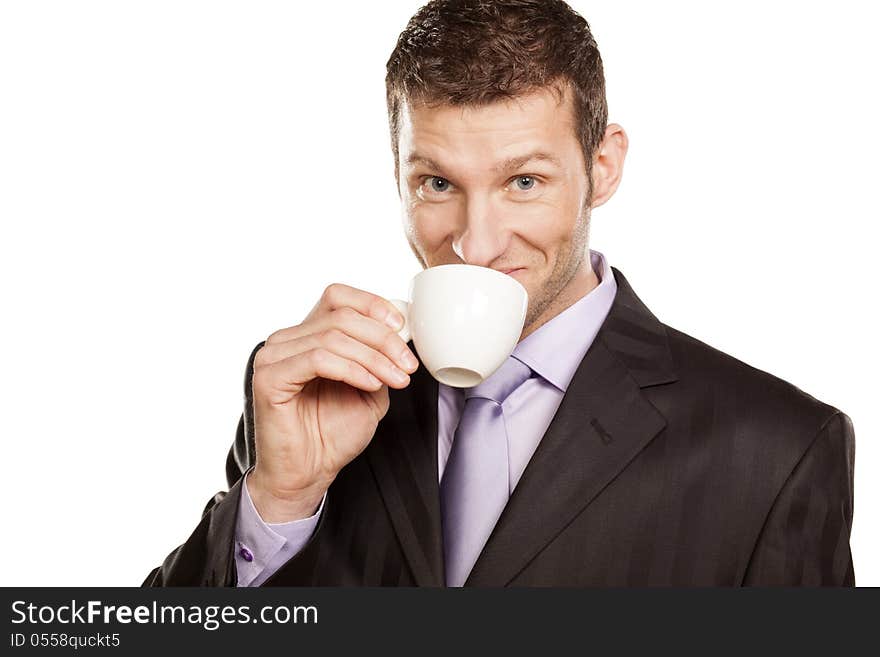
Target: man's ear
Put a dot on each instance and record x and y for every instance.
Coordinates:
(608, 164)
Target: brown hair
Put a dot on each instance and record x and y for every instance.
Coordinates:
(475, 52)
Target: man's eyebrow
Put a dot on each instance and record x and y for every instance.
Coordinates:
(416, 158)
(509, 164)
(516, 162)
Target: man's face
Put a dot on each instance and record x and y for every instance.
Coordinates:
(501, 186)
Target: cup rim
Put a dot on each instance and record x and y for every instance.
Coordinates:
(474, 268)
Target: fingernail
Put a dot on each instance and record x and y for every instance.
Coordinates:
(408, 359)
(398, 374)
(394, 320)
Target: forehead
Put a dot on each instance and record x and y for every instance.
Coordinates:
(539, 119)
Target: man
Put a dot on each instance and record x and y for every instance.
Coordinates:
(631, 454)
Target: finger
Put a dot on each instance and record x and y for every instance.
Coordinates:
(363, 329)
(272, 352)
(276, 383)
(341, 344)
(339, 295)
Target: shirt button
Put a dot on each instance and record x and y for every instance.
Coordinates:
(246, 554)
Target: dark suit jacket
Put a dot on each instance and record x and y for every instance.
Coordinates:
(668, 463)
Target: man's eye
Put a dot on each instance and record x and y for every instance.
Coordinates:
(524, 183)
(436, 184)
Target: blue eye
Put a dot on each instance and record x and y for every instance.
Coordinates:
(438, 184)
(525, 183)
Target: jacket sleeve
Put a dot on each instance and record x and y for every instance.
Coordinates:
(207, 556)
(805, 539)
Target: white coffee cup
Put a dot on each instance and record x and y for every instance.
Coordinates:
(464, 321)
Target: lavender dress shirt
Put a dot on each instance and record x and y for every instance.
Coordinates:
(553, 352)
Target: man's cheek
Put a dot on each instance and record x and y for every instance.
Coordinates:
(431, 230)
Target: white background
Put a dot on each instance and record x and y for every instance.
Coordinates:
(180, 179)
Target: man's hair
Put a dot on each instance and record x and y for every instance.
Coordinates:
(476, 52)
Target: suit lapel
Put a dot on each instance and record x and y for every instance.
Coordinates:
(403, 455)
(604, 420)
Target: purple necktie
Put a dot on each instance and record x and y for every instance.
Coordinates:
(476, 483)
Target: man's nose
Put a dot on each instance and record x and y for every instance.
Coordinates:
(482, 235)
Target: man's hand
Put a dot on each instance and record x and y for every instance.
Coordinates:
(320, 389)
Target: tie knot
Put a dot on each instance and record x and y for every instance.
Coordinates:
(501, 382)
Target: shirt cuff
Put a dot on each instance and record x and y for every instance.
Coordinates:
(261, 548)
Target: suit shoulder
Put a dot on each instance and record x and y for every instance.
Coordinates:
(764, 400)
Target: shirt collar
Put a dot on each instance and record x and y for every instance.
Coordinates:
(556, 349)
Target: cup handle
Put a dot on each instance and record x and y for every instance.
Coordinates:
(403, 307)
